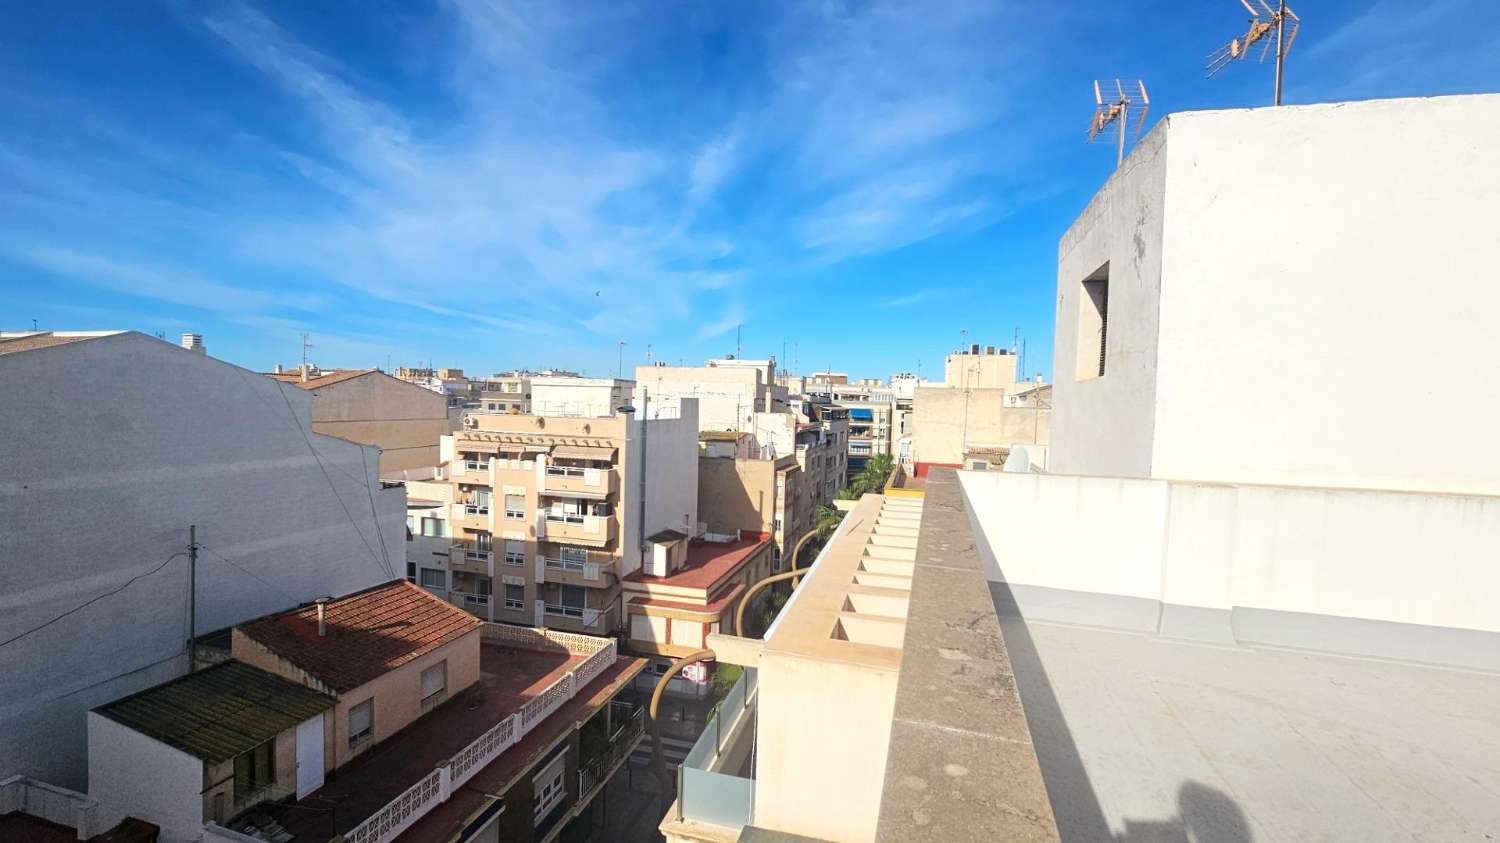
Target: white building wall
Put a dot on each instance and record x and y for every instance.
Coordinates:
(570, 396)
(671, 467)
(1399, 558)
(111, 449)
(1299, 295)
(1105, 425)
(1331, 321)
(133, 775)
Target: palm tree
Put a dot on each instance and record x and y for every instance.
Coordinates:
(828, 520)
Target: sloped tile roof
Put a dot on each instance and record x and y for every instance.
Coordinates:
(367, 634)
(220, 711)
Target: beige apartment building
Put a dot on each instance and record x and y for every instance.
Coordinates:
(976, 368)
(507, 393)
(729, 391)
(548, 512)
(741, 490)
(976, 428)
(372, 408)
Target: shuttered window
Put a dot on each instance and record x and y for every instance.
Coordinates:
(361, 722)
(434, 684)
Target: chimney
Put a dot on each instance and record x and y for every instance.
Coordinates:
(303, 369)
(194, 342)
(322, 604)
(278, 368)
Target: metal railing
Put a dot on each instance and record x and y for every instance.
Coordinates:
(436, 787)
(565, 564)
(631, 726)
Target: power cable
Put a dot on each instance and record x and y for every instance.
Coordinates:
(307, 440)
(251, 574)
(364, 468)
(91, 601)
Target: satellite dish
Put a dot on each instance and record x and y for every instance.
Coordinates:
(1019, 462)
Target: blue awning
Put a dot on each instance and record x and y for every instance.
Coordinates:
(861, 414)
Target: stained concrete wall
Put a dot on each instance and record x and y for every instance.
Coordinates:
(404, 420)
(111, 447)
(1400, 575)
(946, 421)
(1106, 425)
(1275, 273)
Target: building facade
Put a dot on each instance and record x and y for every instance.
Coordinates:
(1159, 374)
(403, 420)
(547, 512)
(187, 441)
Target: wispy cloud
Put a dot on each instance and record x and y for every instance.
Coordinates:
(161, 283)
(915, 297)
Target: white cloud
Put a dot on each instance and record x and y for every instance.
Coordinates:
(161, 283)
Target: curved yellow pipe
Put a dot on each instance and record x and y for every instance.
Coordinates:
(794, 575)
(659, 761)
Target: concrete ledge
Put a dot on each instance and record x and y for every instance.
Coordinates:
(1468, 649)
(960, 766)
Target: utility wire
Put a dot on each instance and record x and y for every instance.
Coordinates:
(251, 574)
(307, 440)
(91, 601)
(364, 469)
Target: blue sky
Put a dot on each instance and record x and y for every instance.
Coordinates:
(491, 185)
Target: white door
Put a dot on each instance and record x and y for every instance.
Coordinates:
(309, 756)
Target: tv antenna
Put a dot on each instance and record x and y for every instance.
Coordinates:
(1262, 21)
(1114, 104)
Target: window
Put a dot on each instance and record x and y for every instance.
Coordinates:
(411, 572)
(434, 684)
(1093, 325)
(515, 597)
(547, 789)
(515, 553)
(432, 526)
(515, 507)
(572, 596)
(361, 722)
(254, 771)
(434, 578)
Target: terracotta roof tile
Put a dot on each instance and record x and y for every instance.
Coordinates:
(707, 563)
(368, 633)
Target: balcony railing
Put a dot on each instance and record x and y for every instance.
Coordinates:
(476, 509)
(629, 724)
(437, 786)
(565, 518)
(566, 564)
(473, 552)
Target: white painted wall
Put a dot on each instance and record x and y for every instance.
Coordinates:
(1325, 301)
(1399, 557)
(569, 396)
(110, 449)
(671, 466)
(1105, 425)
(133, 775)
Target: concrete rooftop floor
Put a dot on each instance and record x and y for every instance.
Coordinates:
(1151, 740)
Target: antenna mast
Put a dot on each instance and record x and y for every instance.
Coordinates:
(1125, 97)
(1262, 21)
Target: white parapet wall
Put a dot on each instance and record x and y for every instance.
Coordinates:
(1389, 574)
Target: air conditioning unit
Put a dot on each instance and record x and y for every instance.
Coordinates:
(471, 422)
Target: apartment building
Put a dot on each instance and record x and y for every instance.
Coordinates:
(548, 511)
(979, 367)
(377, 716)
(573, 395)
(507, 393)
(282, 514)
(977, 428)
(743, 486)
(729, 391)
(673, 609)
(403, 420)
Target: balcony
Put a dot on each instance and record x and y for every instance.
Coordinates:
(575, 618)
(470, 558)
(628, 723)
(579, 572)
(595, 483)
(471, 471)
(588, 530)
(471, 515)
(478, 604)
